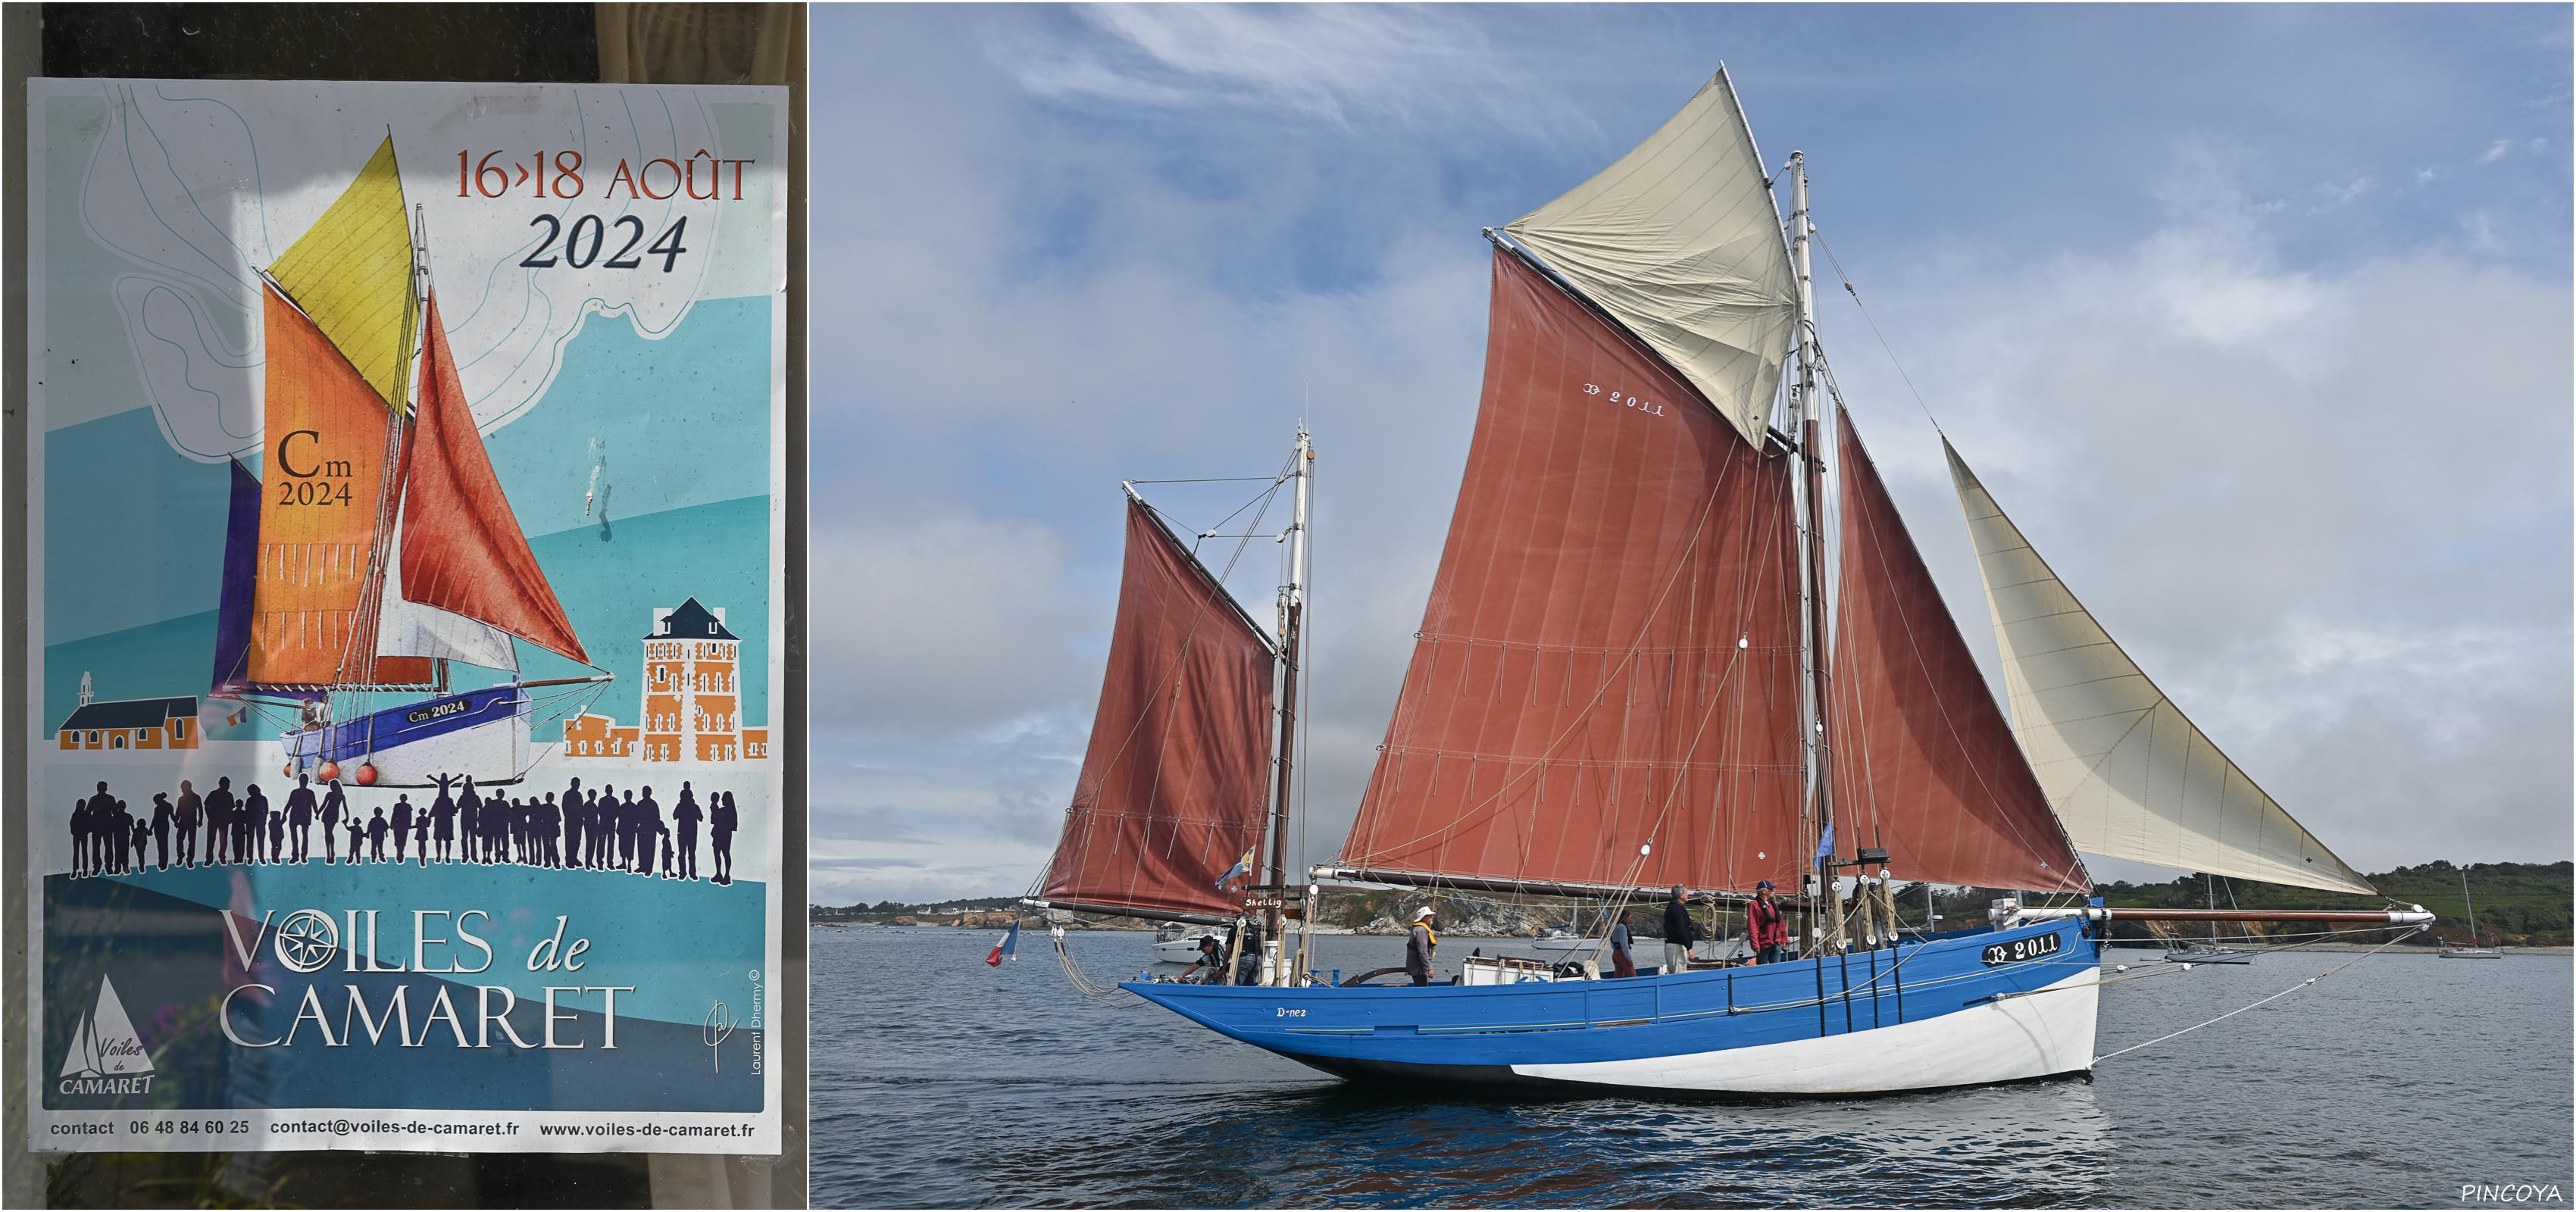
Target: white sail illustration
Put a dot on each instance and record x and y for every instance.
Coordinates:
(81, 1058)
(1680, 242)
(2128, 774)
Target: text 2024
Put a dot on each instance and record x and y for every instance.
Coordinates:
(589, 235)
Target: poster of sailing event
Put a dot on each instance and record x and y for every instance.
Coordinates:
(404, 631)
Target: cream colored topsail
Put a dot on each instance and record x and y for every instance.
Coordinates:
(1680, 242)
(2127, 773)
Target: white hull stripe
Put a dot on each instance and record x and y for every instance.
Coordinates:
(2046, 1032)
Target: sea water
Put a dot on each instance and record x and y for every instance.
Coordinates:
(2401, 1080)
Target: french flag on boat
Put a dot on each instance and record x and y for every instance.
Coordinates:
(1241, 867)
(1006, 947)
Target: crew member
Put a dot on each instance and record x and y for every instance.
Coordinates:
(1768, 927)
(1211, 957)
(1418, 948)
(1620, 962)
(1679, 932)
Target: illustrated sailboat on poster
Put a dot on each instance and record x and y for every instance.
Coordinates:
(375, 551)
(1627, 679)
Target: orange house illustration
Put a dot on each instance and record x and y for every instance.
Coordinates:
(128, 723)
(691, 699)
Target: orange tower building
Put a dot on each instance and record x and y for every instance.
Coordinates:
(692, 697)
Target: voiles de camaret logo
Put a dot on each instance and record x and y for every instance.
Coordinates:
(106, 1056)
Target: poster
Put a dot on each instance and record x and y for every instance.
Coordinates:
(407, 474)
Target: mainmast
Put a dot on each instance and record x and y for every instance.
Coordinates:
(1811, 561)
(1292, 617)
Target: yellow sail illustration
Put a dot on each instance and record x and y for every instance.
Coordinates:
(351, 272)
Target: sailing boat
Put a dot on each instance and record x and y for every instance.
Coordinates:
(2209, 952)
(2473, 950)
(1626, 681)
(378, 551)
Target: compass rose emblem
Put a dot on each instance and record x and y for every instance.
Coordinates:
(307, 940)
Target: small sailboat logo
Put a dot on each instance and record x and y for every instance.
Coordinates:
(106, 1056)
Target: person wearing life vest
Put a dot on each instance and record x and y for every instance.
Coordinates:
(1419, 946)
(1768, 926)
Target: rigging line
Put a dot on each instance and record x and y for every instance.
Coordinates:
(1212, 480)
(1892, 359)
(2275, 997)
(1263, 499)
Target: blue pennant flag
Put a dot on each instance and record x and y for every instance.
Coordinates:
(1241, 867)
(1825, 844)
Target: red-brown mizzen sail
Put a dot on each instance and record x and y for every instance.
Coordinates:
(1173, 786)
(1610, 654)
(1924, 764)
(325, 471)
(462, 550)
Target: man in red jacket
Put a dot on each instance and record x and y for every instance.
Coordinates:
(1769, 927)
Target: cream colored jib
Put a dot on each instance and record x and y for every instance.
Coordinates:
(1680, 241)
(2128, 774)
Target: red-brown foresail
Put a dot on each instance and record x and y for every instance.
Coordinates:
(1924, 764)
(1172, 789)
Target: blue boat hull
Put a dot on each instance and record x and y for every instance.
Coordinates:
(1961, 1009)
(479, 733)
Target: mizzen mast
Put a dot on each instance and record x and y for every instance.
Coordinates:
(1292, 618)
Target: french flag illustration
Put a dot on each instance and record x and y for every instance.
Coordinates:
(1006, 947)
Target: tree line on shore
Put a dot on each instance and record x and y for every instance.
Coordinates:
(2518, 904)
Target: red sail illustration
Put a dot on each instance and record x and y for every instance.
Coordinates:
(1610, 654)
(1174, 785)
(312, 623)
(462, 550)
(1924, 763)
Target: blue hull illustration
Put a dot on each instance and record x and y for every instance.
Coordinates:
(1959, 1009)
(482, 733)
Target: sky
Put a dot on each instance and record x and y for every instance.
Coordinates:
(2257, 320)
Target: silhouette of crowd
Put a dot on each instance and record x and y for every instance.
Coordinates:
(595, 830)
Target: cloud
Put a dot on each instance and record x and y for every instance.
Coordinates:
(2496, 151)
(2249, 472)
(1342, 65)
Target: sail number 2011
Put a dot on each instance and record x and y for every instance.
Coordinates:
(1626, 399)
(2022, 949)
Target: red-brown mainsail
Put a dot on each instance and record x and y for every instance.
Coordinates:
(462, 550)
(1610, 654)
(1923, 762)
(1173, 786)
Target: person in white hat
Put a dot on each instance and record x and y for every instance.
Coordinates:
(1418, 947)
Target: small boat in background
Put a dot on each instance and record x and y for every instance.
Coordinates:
(2209, 952)
(1178, 943)
(2473, 950)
